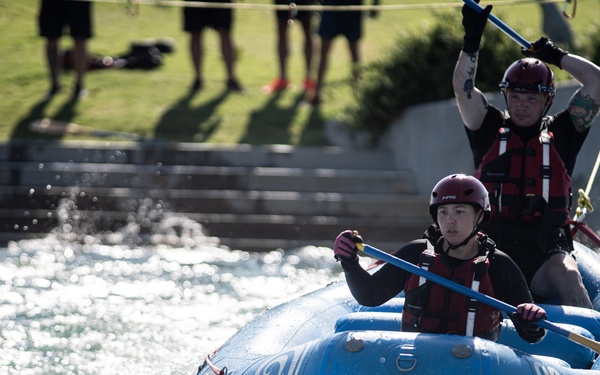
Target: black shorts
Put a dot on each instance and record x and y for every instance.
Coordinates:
(303, 16)
(346, 23)
(56, 14)
(196, 19)
(519, 241)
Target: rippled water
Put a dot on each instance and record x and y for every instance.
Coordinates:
(80, 304)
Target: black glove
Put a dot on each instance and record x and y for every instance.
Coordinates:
(543, 49)
(474, 24)
(524, 318)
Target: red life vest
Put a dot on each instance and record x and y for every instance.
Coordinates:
(430, 307)
(526, 178)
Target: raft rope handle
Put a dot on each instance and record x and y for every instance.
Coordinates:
(215, 369)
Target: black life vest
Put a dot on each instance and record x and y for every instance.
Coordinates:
(430, 307)
(526, 180)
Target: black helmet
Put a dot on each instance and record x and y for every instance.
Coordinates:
(460, 188)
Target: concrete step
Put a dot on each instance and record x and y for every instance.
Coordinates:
(188, 154)
(250, 232)
(254, 198)
(205, 177)
(217, 201)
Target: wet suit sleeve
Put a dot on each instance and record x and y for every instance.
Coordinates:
(374, 289)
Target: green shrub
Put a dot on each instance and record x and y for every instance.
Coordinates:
(591, 50)
(419, 69)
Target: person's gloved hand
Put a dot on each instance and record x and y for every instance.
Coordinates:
(344, 247)
(544, 49)
(474, 24)
(525, 317)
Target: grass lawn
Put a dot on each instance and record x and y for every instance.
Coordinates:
(157, 104)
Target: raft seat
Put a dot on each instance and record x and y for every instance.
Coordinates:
(370, 321)
(553, 345)
(394, 305)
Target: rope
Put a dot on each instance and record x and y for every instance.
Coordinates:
(339, 8)
(593, 175)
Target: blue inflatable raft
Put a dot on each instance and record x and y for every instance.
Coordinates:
(327, 332)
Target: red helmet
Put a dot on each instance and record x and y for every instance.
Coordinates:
(460, 188)
(528, 75)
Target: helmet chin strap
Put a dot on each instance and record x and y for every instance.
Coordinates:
(466, 240)
(548, 104)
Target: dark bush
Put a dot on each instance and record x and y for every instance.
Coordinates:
(591, 50)
(419, 69)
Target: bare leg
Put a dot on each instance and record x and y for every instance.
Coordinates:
(354, 54)
(314, 97)
(54, 64)
(308, 48)
(196, 51)
(81, 62)
(227, 50)
(281, 82)
(559, 276)
(282, 48)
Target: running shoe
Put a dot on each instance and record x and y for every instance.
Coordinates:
(79, 92)
(234, 86)
(277, 85)
(196, 85)
(309, 85)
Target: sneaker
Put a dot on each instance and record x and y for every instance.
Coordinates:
(79, 92)
(277, 85)
(234, 85)
(309, 85)
(197, 85)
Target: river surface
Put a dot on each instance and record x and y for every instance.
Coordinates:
(81, 304)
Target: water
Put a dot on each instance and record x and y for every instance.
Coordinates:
(80, 303)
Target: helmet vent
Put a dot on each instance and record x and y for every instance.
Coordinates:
(468, 192)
